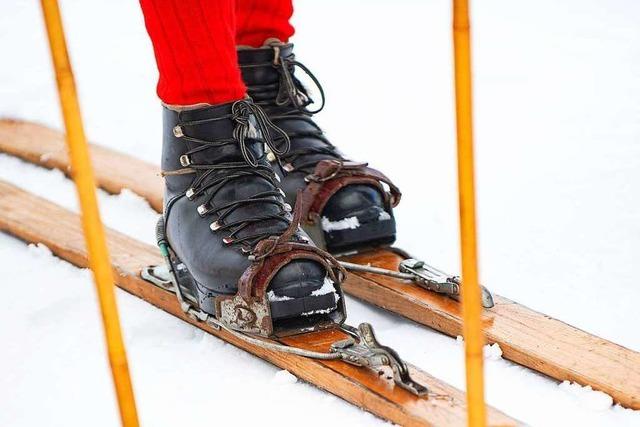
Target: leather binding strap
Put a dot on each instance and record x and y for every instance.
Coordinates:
(330, 176)
(249, 310)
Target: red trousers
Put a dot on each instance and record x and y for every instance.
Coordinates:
(195, 41)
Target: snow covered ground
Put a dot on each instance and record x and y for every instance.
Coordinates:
(558, 128)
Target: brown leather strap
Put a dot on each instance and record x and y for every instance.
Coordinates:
(271, 254)
(254, 281)
(248, 310)
(330, 176)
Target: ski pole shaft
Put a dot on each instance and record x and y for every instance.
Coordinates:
(92, 225)
(471, 294)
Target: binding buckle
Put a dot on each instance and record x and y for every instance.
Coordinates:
(368, 352)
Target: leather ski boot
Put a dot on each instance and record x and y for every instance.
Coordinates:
(232, 239)
(346, 205)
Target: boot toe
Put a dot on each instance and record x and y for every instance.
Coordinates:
(301, 288)
(361, 201)
(355, 217)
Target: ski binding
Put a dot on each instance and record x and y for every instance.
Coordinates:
(425, 276)
(362, 349)
(368, 352)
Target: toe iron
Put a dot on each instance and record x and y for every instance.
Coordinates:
(425, 276)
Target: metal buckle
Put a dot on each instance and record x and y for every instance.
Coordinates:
(425, 276)
(162, 277)
(287, 167)
(435, 280)
(368, 352)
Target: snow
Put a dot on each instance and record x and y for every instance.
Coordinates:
(384, 216)
(350, 223)
(284, 377)
(319, 311)
(595, 400)
(558, 178)
(271, 296)
(326, 288)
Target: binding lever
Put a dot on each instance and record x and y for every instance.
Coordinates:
(436, 280)
(423, 275)
(363, 349)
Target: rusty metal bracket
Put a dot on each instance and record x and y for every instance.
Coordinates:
(162, 277)
(436, 280)
(423, 275)
(363, 349)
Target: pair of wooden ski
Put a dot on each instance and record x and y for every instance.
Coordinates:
(526, 337)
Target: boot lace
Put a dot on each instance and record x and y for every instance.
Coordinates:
(291, 104)
(251, 123)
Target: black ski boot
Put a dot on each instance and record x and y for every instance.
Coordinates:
(346, 205)
(233, 246)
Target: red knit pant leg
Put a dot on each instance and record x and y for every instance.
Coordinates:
(194, 42)
(259, 20)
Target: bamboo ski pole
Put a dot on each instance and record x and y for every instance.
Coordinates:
(471, 305)
(92, 225)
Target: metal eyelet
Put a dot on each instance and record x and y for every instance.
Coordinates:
(288, 167)
(177, 131)
(185, 160)
(215, 226)
(227, 240)
(271, 157)
(203, 209)
(189, 194)
(282, 192)
(287, 207)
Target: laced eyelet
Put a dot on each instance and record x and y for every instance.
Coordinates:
(288, 167)
(190, 194)
(177, 131)
(227, 240)
(185, 160)
(271, 157)
(282, 192)
(215, 226)
(287, 207)
(203, 209)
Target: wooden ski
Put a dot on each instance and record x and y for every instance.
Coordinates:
(525, 336)
(36, 220)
